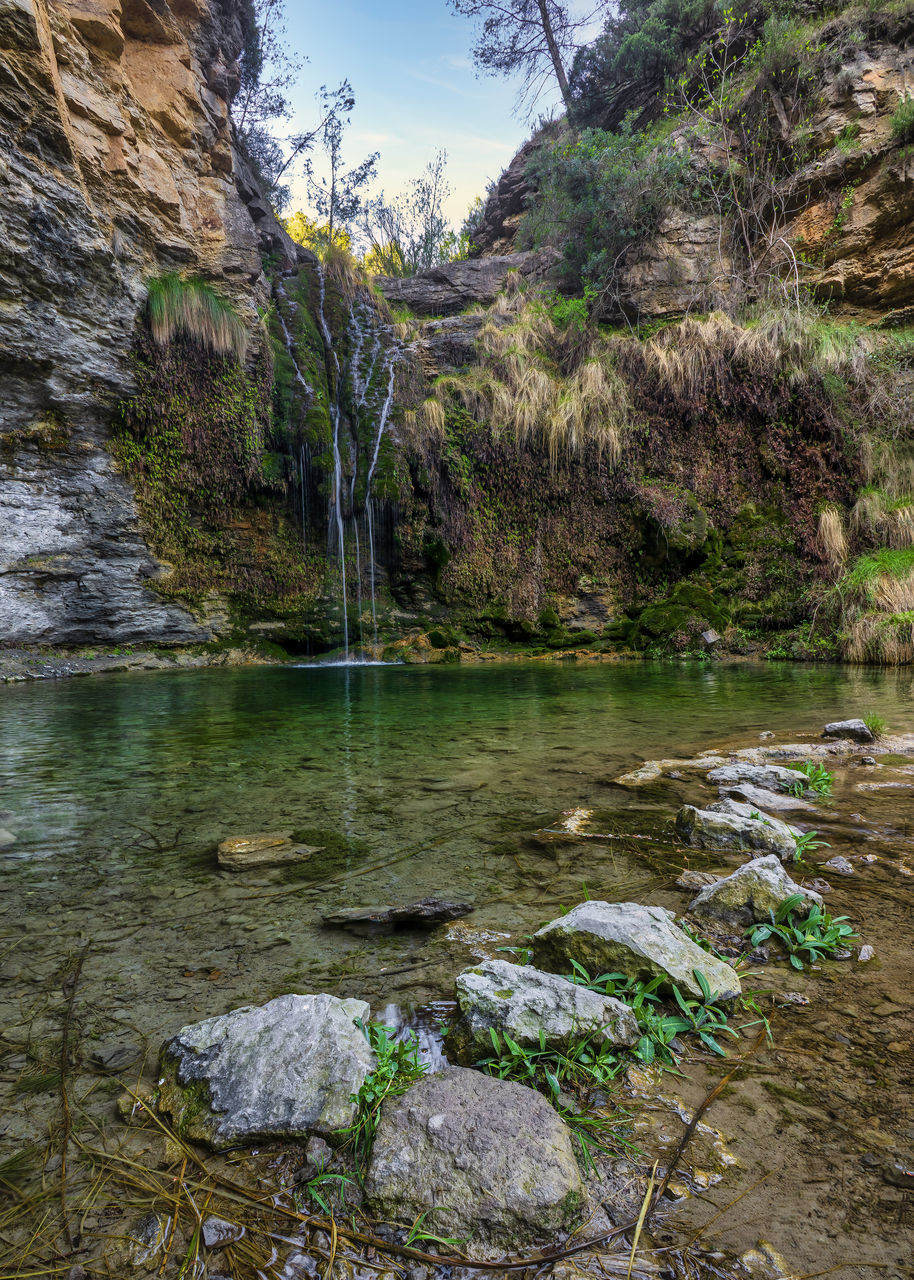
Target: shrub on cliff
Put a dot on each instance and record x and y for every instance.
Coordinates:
(601, 194)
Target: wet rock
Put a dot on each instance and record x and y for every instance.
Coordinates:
(6, 838)
(751, 893)
(144, 1238)
(264, 849)
(528, 1005)
(217, 1233)
(855, 730)
(696, 879)
(820, 886)
(451, 341)
(763, 799)
(318, 1155)
(367, 921)
(869, 761)
(286, 1069)
(840, 865)
(115, 1057)
(866, 953)
(898, 1174)
(709, 829)
(626, 937)
(770, 777)
(478, 1157)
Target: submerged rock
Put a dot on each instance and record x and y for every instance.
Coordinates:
(696, 879)
(751, 893)
(528, 1004)
(264, 849)
(475, 1156)
(285, 1069)
(416, 915)
(855, 730)
(840, 865)
(711, 829)
(641, 942)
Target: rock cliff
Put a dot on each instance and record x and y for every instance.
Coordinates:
(116, 164)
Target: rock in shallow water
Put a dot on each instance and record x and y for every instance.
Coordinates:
(855, 730)
(280, 1070)
(526, 1003)
(711, 829)
(264, 849)
(417, 915)
(481, 1157)
(751, 893)
(770, 777)
(625, 937)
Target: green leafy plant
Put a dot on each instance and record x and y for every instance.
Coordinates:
(846, 141)
(807, 842)
(417, 1235)
(398, 1067)
(876, 725)
(703, 1018)
(903, 120)
(818, 779)
(805, 939)
(317, 1188)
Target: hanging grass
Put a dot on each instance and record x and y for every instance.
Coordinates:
(193, 309)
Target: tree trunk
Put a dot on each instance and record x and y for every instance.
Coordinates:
(554, 51)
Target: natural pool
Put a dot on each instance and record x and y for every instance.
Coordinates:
(439, 781)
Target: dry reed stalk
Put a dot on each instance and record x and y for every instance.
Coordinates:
(831, 537)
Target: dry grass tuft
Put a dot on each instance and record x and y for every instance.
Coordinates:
(192, 308)
(831, 537)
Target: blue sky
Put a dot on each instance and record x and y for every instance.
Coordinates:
(416, 91)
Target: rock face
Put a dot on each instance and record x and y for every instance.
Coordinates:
(453, 286)
(709, 829)
(751, 893)
(480, 1157)
(285, 1069)
(641, 942)
(856, 730)
(526, 1003)
(117, 165)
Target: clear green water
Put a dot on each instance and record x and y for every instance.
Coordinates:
(441, 780)
(117, 790)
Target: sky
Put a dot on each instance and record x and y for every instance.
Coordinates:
(416, 91)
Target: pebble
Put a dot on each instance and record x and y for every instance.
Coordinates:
(865, 953)
(841, 866)
(887, 1009)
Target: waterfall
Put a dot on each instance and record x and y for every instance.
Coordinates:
(354, 405)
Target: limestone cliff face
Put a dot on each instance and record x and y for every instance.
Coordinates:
(116, 164)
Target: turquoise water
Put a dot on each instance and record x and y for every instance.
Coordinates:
(415, 781)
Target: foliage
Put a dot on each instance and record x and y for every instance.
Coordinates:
(269, 70)
(818, 779)
(397, 1067)
(337, 191)
(703, 1017)
(809, 939)
(411, 232)
(599, 195)
(532, 39)
(314, 235)
(642, 40)
(807, 842)
(194, 310)
(876, 724)
(903, 120)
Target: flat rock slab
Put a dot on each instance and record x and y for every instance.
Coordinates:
(752, 893)
(855, 730)
(771, 777)
(482, 1158)
(743, 833)
(530, 1005)
(286, 1069)
(263, 849)
(763, 799)
(641, 942)
(426, 914)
